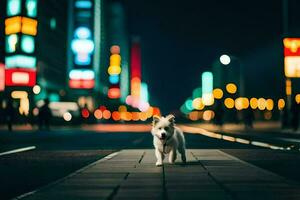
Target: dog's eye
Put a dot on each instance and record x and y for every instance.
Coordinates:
(159, 128)
(166, 128)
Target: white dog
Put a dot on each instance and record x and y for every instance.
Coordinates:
(167, 139)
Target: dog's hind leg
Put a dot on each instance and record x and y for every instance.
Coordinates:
(172, 156)
(159, 156)
(182, 153)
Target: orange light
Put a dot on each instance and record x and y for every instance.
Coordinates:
(128, 116)
(115, 60)
(116, 116)
(114, 93)
(269, 104)
(229, 103)
(253, 103)
(218, 93)
(281, 104)
(98, 114)
(143, 116)
(115, 49)
(150, 112)
(106, 114)
(156, 111)
(122, 108)
(29, 26)
(136, 87)
(261, 103)
(194, 116)
(231, 88)
(198, 104)
(135, 116)
(208, 115)
(21, 24)
(13, 25)
(297, 98)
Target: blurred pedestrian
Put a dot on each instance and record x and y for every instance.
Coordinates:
(9, 114)
(45, 115)
(249, 117)
(219, 113)
(295, 115)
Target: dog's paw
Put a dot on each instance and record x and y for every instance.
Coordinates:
(158, 164)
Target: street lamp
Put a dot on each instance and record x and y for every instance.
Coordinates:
(225, 59)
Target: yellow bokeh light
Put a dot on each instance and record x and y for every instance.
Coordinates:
(253, 103)
(114, 70)
(241, 103)
(198, 104)
(218, 93)
(281, 104)
(115, 60)
(122, 108)
(231, 88)
(269, 104)
(261, 103)
(297, 98)
(229, 103)
(208, 115)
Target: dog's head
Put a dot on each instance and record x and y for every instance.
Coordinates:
(163, 127)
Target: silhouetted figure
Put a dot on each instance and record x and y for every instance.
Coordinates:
(10, 114)
(45, 115)
(249, 117)
(219, 112)
(295, 115)
(284, 115)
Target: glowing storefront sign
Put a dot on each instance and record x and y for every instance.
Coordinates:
(292, 57)
(20, 77)
(20, 61)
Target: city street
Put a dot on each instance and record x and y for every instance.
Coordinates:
(59, 152)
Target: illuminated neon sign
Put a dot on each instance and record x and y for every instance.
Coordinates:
(291, 57)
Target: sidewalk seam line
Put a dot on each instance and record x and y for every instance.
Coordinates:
(222, 186)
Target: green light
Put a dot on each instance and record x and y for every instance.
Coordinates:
(189, 104)
(53, 97)
(184, 110)
(197, 93)
(13, 7)
(144, 92)
(27, 43)
(207, 83)
(52, 23)
(11, 43)
(20, 61)
(31, 8)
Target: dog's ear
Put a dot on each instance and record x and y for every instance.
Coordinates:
(155, 120)
(171, 118)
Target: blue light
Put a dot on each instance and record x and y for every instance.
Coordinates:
(83, 4)
(114, 79)
(83, 33)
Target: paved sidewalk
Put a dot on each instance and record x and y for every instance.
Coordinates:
(131, 174)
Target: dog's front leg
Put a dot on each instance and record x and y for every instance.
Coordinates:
(159, 156)
(172, 156)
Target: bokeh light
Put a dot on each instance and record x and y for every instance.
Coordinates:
(218, 93)
(67, 116)
(229, 103)
(231, 88)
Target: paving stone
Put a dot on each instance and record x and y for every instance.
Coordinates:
(132, 174)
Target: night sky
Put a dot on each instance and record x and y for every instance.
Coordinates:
(181, 39)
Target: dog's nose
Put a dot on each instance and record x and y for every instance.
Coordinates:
(163, 135)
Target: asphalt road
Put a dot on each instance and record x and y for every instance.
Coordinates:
(61, 152)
